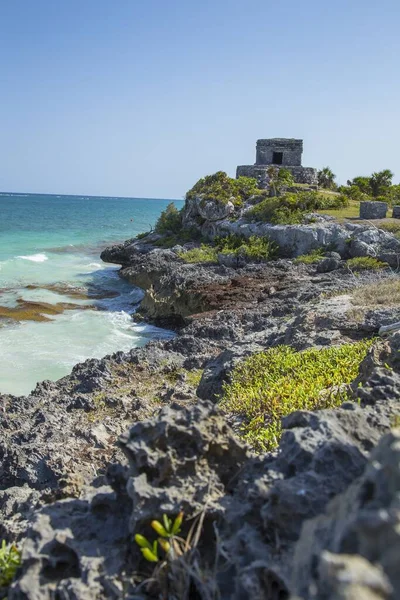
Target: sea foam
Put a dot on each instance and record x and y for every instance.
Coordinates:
(35, 257)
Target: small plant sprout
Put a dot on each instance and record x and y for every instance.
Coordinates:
(148, 549)
(10, 560)
(167, 530)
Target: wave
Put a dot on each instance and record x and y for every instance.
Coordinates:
(41, 257)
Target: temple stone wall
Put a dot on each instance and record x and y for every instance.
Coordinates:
(279, 153)
(260, 172)
(291, 150)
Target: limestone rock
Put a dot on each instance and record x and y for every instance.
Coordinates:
(183, 460)
(364, 521)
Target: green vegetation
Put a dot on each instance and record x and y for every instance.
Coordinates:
(167, 531)
(279, 179)
(392, 227)
(221, 188)
(174, 239)
(364, 263)
(255, 248)
(10, 560)
(193, 377)
(349, 211)
(309, 259)
(142, 235)
(170, 220)
(326, 178)
(377, 186)
(204, 254)
(267, 386)
(290, 208)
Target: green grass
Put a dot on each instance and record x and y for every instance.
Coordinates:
(365, 263)
(309, 259)
(267, 386)
(352, 211)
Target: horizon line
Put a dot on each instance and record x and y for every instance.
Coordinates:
(84, 196)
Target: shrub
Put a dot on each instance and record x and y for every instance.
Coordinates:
(170, 220)
(267, 386)
(255, 248)
(312, 257)
(10, 560)
(221, 188)
(290, 208)
(142, 235)
(205, 253)
(174, 239)
(363, 263)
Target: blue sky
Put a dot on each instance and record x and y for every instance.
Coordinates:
(142, 98)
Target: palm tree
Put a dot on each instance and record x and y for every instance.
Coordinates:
(326, 178)
(380, 182)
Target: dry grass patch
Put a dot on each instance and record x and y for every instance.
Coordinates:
(383, 293)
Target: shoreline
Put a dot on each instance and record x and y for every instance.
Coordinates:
(159, 402)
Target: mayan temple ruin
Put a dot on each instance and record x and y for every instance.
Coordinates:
(279, 153)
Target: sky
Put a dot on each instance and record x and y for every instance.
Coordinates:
(142, 98)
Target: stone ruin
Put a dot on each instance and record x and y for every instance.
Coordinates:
(279, 153)
(373, 209)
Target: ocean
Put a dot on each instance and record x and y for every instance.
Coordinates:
(59, 303)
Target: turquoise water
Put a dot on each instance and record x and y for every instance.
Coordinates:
(49, 253)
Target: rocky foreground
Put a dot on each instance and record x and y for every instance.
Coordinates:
(88, 461)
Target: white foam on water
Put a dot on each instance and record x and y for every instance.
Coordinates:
(41, 257)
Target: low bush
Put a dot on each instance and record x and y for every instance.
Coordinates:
(170, 220)
(142, 235)
(255, 248)
(311, 258)
(267, 386)
(178, 239)
(290, 208)
(364, 263)
(204, 254)
(10, 560)
(221, 188)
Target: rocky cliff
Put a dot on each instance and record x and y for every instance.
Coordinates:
(91, 460)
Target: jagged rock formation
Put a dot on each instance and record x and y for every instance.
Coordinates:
(261, 508)
(89, 460)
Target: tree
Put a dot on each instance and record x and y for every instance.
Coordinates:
(380, 182)
(170, 220)
(326, 178)
(362, 183)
